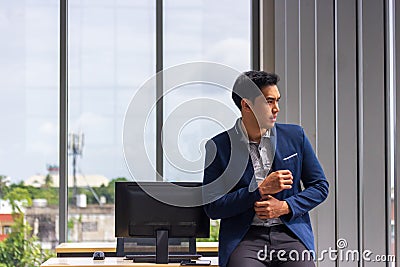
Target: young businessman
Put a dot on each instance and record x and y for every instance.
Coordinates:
(255, 169)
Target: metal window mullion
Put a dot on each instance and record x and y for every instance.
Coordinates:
(336, 105)
(255, 34)
(396, 107)
(267, 35)
(389, 83)
(159, 90)
(63, 120)
(360, 115)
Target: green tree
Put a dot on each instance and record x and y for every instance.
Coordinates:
(20, 248)
(19, 196)
(214, 231)
(48, 181)
(107, 191)
(3, 186)
(111, 187)
(48, 193)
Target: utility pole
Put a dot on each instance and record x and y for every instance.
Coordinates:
(75, 148)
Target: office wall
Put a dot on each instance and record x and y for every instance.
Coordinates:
(333, 62)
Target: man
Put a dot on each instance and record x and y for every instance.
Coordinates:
(252, 181)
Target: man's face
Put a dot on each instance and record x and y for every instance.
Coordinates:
(265, 107)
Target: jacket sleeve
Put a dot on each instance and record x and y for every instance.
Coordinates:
(223, 205)
(314, 181)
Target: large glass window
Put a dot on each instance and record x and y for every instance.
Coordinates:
(214, 31)
(111, 53)
(29, 53)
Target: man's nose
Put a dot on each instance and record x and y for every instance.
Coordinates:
(275, 108)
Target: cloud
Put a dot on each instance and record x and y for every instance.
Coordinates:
(41, 148)
(97, 129)
(3, 20)
(88, 120)
(48, 128)
(233, 52)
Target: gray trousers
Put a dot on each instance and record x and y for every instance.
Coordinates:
(270, 246)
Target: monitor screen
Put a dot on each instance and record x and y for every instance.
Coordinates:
(137, 214)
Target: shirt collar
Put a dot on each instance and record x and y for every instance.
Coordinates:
(244, 138)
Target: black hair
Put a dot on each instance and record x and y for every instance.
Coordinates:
(246, 83)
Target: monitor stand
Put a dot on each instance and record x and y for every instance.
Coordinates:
(162, 256)
(162, 246)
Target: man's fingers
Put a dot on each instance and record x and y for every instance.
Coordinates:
(285, 172)
(260, 210)
(288, 181)
(264, 216)
(257, 205)
(264, 203)
(286, 176)
(261, 204)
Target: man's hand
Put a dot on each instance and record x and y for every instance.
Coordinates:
(271, 208)
(276, 182)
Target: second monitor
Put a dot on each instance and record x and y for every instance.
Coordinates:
(137, 214)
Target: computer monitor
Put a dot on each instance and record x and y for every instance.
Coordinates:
(137, 214)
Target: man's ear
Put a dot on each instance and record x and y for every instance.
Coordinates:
(245, 104)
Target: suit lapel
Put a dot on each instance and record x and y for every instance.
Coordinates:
(240, 162)
(279, 150)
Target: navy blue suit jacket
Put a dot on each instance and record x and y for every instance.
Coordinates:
(231, 188)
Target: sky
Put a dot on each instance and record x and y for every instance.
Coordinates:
(111, 54)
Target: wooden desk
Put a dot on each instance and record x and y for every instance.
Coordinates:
(207, 247)
(86, 249)
(109, 262)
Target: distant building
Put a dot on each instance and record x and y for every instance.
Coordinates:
(81, 180)
(89, 224)
(6, 219)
